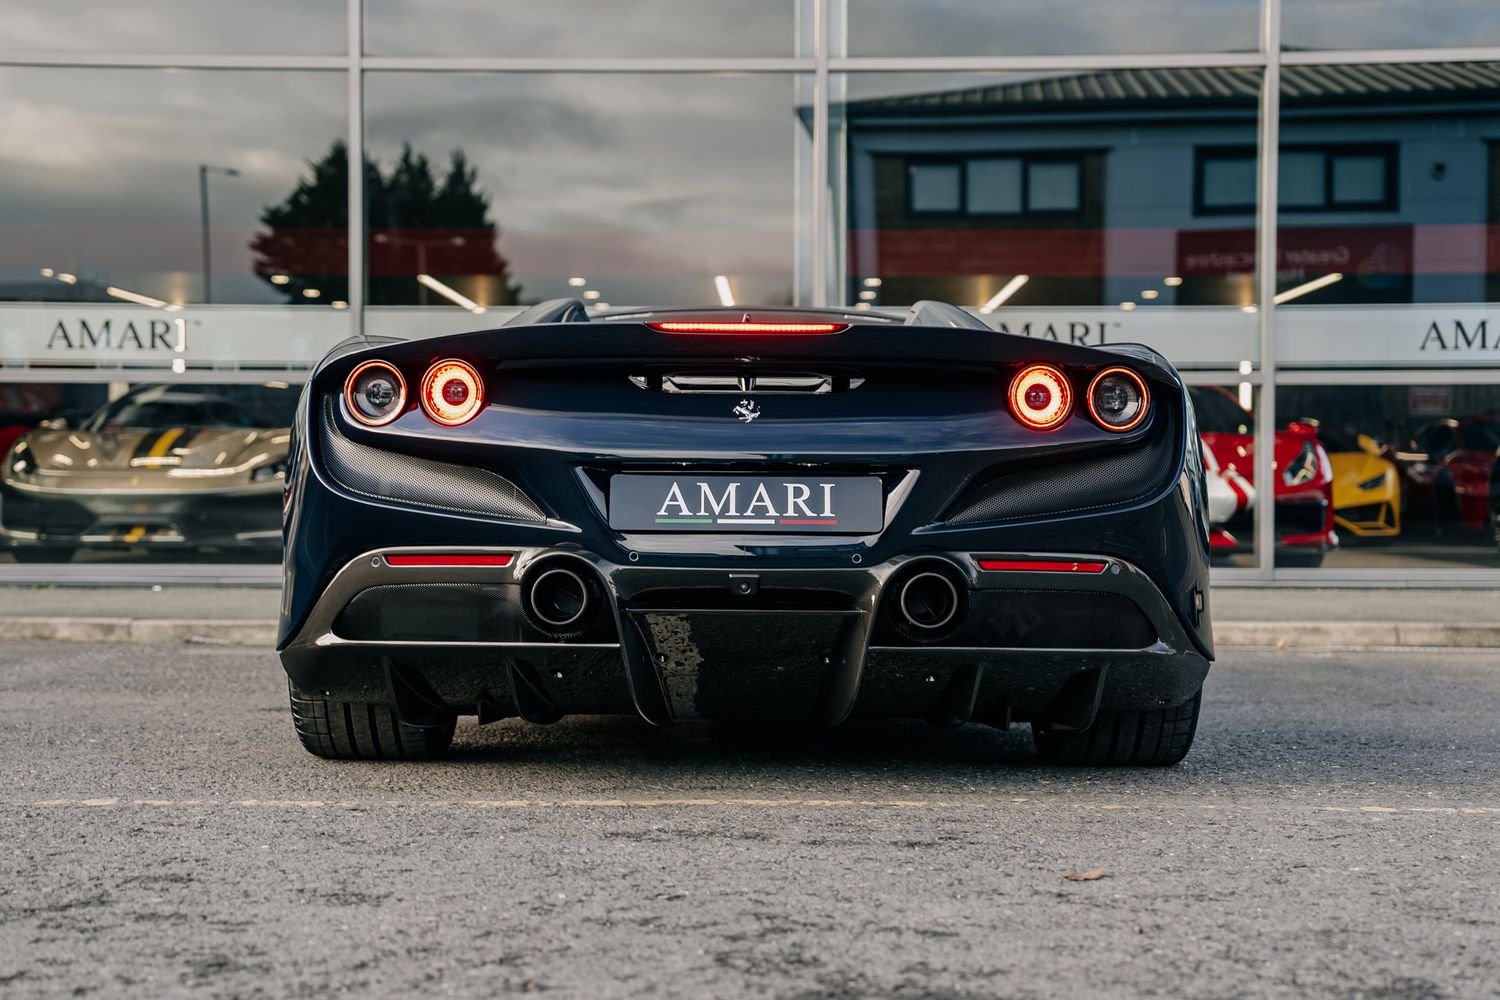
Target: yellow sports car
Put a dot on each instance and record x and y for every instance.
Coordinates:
(1366, 486)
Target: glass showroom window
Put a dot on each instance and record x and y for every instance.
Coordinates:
(1415, 478)
(1059, 205)
(1359, 24)
(619, 189)
(156, 234)
(1388, 259)
(282, 27)
(152, 469)
(581, 28)
(1042, 27)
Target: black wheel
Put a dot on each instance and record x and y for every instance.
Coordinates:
(1153, 738)
(42, 554)
(343, 730)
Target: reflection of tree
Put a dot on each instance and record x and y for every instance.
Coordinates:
(416, 225)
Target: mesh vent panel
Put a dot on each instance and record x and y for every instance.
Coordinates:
(433, 612)
(1071, 486)
(385, 475)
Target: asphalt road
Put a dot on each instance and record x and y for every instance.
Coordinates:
(1335, 833)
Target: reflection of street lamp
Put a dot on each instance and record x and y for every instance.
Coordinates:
(421, 243)
(203, 171)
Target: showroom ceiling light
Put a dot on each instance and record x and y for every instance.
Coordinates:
(451, 294)
(1297, 291)
(136, 297)
(1172, 281)
(1003, 295)
(577, 282)
(726, 294)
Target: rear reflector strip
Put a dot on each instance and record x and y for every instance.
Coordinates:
(448, 560)
(1040, 566)
(748, 327)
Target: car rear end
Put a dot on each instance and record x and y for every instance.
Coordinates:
(747, 515)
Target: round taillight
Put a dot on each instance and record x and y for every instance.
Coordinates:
(375, 393)
(1118, 399)
(452, 392)
(1041, 398)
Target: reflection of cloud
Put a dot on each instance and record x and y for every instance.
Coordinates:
(280, 26)
(642, 169)
(122, 146)
(1050, 27)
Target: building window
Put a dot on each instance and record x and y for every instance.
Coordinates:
(996, 185)
(935, 187)
(1311, 179)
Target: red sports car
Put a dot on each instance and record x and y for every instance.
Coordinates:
(23, 405)
(1304, 477)
(1447, 471)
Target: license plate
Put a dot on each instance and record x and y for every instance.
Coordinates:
(727, 504)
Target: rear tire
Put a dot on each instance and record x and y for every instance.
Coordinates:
(1153, 738)
(343, 730)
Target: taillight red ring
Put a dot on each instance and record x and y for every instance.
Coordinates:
(1041, 397)
(400, 402)
(1140, 384)
(438, 392)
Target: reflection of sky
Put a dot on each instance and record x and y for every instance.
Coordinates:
(637, 177)
(201, 26)
(99, 169)
(737, 27)
(1061, 27)
(584, 27)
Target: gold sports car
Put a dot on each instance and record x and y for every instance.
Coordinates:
(162, 466)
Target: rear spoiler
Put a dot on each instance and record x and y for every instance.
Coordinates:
(927, 312)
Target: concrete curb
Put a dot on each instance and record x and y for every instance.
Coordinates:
(1268, 634)
(1355, 634)
(227, 631)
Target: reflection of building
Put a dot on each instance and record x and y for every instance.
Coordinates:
(1093, 184)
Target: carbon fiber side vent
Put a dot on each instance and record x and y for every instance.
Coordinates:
(1061, 488)
(385, 475)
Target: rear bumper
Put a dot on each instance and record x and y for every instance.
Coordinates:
(678, 642)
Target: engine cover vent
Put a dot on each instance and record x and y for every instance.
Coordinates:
(730, 383)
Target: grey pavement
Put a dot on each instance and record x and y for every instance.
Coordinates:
(1333, 834)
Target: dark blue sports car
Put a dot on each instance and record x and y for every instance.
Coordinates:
(779, 514)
